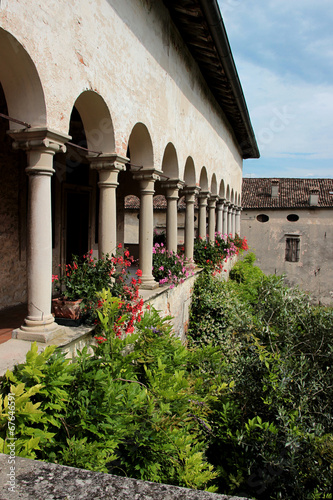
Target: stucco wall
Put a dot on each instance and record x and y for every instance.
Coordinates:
(131, 56)
(130, 53)
(314, 271)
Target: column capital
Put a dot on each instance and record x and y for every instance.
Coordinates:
(39, 138)
(212, 200)
(203, 197)
(107, 162)
(190, 193)
(172, 187)
(204, 194)
(147, 174)
(41, 144)
(173, 184)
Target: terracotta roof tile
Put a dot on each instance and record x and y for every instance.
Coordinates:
(133, 202)
(292, 193)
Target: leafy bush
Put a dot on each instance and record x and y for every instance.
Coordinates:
(269, 434)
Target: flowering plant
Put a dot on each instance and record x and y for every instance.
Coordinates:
(169, 267)
(84, 277)
(213, 255)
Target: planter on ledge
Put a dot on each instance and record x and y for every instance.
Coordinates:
(67, 312)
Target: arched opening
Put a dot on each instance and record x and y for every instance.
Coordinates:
(189, 172)
(222, 189)
(21, 98)
(13, 215)
(76, 192)
(213, 185)
(20, 83)
(140, 155)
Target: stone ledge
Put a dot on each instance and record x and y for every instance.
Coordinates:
(44, 481)
(13, 352)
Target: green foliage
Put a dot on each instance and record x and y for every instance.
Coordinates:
(272, 435)
(245, 408)
(18, 414)
(137, 407)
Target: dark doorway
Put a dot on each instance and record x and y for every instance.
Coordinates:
(77, 223)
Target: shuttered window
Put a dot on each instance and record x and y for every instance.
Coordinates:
(292, 249)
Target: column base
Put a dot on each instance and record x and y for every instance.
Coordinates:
(38, 333)
(149, 284)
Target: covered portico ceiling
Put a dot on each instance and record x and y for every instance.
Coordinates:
(201, 26)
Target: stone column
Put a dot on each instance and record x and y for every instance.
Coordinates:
(147, 178)
(190, 192)
(233, 221)
(225, 217)
(212, 218)
(203, 197)
(238, 220)
(108, 167)
(172, 195)
(219, 215)
(40, 145)
(229, 227)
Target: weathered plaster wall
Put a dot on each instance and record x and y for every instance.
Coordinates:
(130, 53)
(173, 302)
(314, 271)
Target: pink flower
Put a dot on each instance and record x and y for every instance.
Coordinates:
(161, 268)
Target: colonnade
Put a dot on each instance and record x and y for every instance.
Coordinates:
(41, 145)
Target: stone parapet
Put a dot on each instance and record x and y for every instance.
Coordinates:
(40, 480)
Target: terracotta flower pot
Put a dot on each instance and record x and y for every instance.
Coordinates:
(66, 309)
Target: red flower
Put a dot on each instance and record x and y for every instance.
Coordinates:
(100, 340)
(139, 273)
(120, 245)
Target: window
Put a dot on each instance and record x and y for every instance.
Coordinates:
(262, 218)
(292, 217)
(292, 249)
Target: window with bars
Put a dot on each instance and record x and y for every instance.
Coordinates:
(292, 249)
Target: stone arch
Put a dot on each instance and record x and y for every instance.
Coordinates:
(213, 185)
(228, 193)
(203, 182)
(140, 146)
(21, 83)
(189, 172)
(96, 119)
(170, 162)
(222, 189)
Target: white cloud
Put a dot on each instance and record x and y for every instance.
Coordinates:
(283, 52)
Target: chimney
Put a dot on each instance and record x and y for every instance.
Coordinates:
(275, 189)
(314, 197)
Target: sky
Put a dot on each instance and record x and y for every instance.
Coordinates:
(283, 51)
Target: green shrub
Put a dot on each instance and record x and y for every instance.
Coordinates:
(268, 433)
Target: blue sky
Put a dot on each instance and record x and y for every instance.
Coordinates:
(283, 50)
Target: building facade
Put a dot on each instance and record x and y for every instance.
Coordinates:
(100, 100)
(289, 226)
